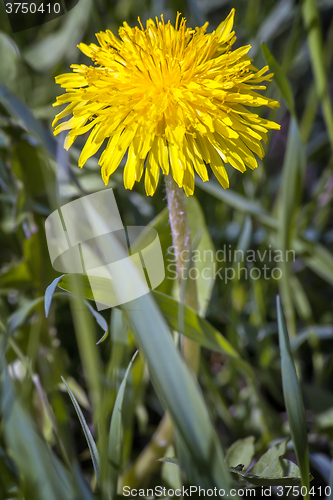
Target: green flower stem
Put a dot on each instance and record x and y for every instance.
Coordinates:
(146, 462)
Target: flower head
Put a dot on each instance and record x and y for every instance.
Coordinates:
(172, 97)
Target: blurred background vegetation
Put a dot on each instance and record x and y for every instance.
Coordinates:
(284, 204)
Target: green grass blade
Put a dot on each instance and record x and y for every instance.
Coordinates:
(45, 54)
(90, 440)
(178, 390)
(288, 198)
(312, 100)
(100, 320)
(21, 112)
(199, 330)
(317, 257)
(238, 202)
(199, 231)
(20, 316)
(115, 435)
(331, 483)
(245, 237)
(293, 400)
(279, 78)
(16, 320)
(41, 469)
(49, 294)
(315, 42)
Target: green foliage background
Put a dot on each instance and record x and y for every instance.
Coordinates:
(78, 437)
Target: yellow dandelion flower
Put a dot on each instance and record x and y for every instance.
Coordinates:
(170, 96)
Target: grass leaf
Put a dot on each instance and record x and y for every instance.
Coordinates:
(315, 42)
(90, 440)
(198, 227)
(199, 330)
(288, 202)
(21, 112)
(115, 434)
(49, 294)
(43, 472)
(293, 400)
(178, 390)
(279, 78)
(100, 320)
(238, 202)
